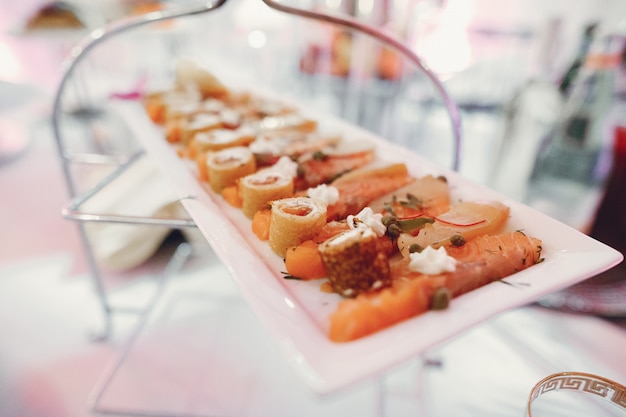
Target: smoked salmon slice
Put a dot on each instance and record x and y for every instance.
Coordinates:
(465, 220)
(429, 195)
(358, 188)
(491, 257)
(323, 169)
(480, 261)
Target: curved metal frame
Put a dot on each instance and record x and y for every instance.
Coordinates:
(352, 23)
(97, 36)
(74, 211)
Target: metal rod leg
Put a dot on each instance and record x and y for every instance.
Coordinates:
(98, 286)
(179, 258)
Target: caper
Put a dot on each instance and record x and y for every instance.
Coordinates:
(394, 230)
(319, 156)
(440, 299)
(457, 240)
(415, 248)
(387, 220)
(300, 171)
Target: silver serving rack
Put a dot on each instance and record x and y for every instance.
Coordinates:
(75, 210)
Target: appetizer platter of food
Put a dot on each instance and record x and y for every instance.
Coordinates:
(355, 253)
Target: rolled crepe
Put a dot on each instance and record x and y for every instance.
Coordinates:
(218, 139)
(180, 109)
(190, 73)
(200, 122)
(354, 263)
(167, 106)
(225, 167)
(259, 189)
(293, 121)
(294, 220)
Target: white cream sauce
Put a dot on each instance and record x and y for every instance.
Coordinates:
(369, 218)
(432, 261)
(323, 192)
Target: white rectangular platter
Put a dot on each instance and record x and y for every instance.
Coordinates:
(296, 312)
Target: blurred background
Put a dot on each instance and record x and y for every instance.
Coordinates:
(514, 68)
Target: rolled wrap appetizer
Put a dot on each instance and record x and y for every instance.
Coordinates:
(354, 262)
(294, 220)
(218, 139)
(259, 189)
(228, 165)
(197, 123)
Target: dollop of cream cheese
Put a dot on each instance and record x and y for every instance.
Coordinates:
(358, 233)
(204, 120)
(286, 166)
(369, 218)
(230, 117)
(325, 193)
(432, 261)
(265, 144)
(234, 155)
(212, 105)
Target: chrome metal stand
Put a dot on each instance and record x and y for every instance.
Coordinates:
(75, 210)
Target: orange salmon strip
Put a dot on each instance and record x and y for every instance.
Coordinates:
(481, 261)
(358, 188)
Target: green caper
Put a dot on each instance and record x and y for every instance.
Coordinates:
(387, 220)
(319, 156)
(415, 248)
(394, 230)
(440, 299)
(457, 240)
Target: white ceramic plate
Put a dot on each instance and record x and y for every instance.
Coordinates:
(296, 312)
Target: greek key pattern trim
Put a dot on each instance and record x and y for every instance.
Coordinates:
(601, 387)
